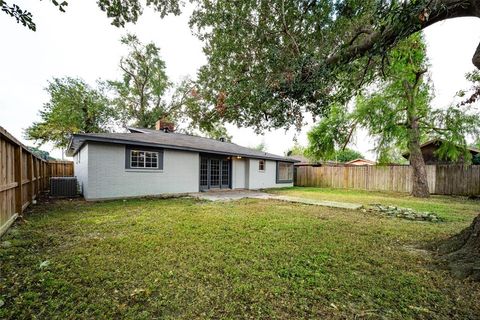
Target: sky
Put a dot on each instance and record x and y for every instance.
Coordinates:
(82, 43)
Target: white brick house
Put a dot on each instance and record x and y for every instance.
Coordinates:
(147, 162)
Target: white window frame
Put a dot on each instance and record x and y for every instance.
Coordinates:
(144, 159)
(264, 163)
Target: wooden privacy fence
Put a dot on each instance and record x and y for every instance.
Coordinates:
(442, 179)
(60, 168)
(23, 176)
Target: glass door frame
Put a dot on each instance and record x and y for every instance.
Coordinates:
(224, 162)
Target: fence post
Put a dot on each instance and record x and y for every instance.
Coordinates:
(34, 178)
(30, 177)
(42, 187)
(45, 176)
(37, 174)
(18, 167)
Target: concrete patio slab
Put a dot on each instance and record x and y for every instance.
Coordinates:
(332, 204)
(229, 195)
(232, 195)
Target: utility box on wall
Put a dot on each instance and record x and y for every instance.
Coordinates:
(63, 187)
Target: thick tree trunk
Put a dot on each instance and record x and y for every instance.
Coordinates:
(462, 252)
(419, 174)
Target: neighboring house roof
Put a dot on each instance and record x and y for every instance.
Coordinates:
(171, 140)
(303, 161)
(474, 151)
(360, 160)
(300, 159)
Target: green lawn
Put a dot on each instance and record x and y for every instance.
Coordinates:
(449, 208)
(183, 258)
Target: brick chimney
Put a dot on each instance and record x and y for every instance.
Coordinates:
(164, 125)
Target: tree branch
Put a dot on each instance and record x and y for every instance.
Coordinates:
(476, 57)
(418, 77)
(358, 34)
(350, 134)
(285, 27)
(362, 79)
(419, 18)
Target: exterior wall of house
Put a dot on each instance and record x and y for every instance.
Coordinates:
(247, 174)
(108, 178)
(101, 173)
(264, 179)
(80, 166)
(238, 173)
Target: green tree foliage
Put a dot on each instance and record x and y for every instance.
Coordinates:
(411, 16)
(338, 155)
(330, 134)
(45, 155)
(397, 113)
(270, 61)
(139, 98)
(388, 109)
(296, 150)
(196, 115)
(346, 155)
(139, 94)
(458, 122)
(262, 146)
(476, 144)
(23, 16)
(472, 94)
(120, 12)
(74, 107)
(342, 155)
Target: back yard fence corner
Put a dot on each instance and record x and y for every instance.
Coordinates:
(23, 177)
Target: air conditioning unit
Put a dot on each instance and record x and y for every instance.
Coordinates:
(63, 187)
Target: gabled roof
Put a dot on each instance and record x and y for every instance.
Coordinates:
(178, 141)
(437, 141)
